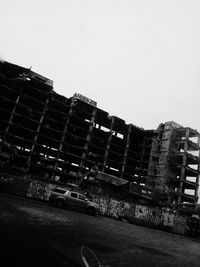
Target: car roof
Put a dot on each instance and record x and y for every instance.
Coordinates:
(62, 189)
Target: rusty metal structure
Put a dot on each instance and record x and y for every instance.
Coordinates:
(57, 139)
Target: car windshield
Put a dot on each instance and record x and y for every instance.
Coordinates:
(60, 191)
(82, 197)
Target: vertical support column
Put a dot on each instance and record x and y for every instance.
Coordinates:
(11, 116)
(142, 158)
(39, 127)
(198, 168)
(63, 136)
(88, 138)
(10, 119)
(108, 144)
(152, 178)
(182, 176)
(126, 150)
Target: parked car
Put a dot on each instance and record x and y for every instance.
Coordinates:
(67, 198)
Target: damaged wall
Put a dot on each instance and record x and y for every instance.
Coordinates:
(174, 162)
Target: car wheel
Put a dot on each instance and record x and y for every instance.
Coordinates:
(59, 203)
(94, 169)
(91, 210)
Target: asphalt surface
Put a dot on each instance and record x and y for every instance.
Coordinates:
(33, 233)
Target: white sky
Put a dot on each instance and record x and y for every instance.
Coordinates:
(139, 59)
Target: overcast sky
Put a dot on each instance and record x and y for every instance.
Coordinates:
(139, 59)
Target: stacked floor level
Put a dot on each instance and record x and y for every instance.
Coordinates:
(59, 138)
(174, 162)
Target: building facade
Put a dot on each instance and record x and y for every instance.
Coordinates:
(58, 138)
(174, 162)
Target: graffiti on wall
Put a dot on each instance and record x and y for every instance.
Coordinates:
(113, 207)
(148, 214)
(180, 224)
(103, 203)
(39, 189)
(168, 217)
(120, 209)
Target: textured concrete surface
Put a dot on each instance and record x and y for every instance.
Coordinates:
(35, 234)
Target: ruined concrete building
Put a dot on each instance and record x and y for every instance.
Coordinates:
(57, 138)
(174, 162)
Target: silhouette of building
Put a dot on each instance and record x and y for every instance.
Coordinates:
(58, 138)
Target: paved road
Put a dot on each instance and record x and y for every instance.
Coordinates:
(36, 234)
